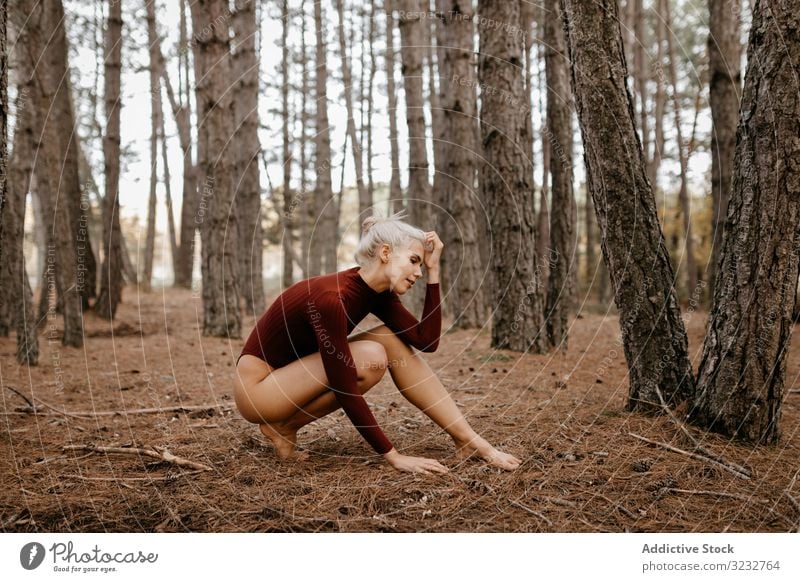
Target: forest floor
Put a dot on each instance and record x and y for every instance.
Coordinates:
(564, 415)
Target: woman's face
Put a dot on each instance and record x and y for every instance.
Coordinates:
(404, 267)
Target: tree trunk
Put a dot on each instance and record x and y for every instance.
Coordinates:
(459, 157)
(653, 333)
(434, 70)
(742, 370)
(363, 202)
(111, 275)
(16, 299)
(61, 256)
(373, 68)
(306, 204)
(395, 192)
(155, 127)
(218, 222)
(77, 200)
(683, 158)
(506, 181)
(543, 216)
(724, 57)
(640, 73)
(183, 265)
(287, 237)
(412, 35)
(562, 228)
(247, 181)
(654, 163)
(323, 242)
(411, 50)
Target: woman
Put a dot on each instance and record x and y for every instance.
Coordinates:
(298, 364)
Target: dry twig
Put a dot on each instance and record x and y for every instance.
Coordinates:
(160, 453)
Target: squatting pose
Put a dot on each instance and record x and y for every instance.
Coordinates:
(298, 363)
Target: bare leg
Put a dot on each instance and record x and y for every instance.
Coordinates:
(281, 401)
(420, 386)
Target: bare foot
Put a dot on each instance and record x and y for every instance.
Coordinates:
(478, 446)
(285, 440)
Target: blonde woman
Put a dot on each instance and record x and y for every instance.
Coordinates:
(299, 365)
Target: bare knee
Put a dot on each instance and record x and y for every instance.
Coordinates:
(371, 360)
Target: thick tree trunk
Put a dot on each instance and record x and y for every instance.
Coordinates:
(61, 257)
(111, 274)
(73, 192)
(653, 333)
(215, 215)
(395, 192)
(323, 242)
(742, 370)
(724, 57)
(559, 134)
(506, 181)
(413, 22)
(683, 159)
(411, 51)
(247, 148)
(460, 154)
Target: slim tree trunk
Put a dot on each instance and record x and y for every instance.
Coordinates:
(683, 158)
(654, 163)
(559, 133)
(155, 127)
(437, 115)
(506, 181)
(460, 154)
(218, 222)
(395, 192)
(724, 56)
(373, 68)
(640, 73)
(306, 203)
(111, 275)
(363, 203)
(287, 237)
(323, 242)
(61, 257)
(653, 333)
(247, 148)
(741, 376)
(543, 216)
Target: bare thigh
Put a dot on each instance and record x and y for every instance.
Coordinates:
(263, 394)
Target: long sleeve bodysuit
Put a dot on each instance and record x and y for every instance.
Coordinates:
(317, 315)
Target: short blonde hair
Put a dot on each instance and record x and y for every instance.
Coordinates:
(391, 230)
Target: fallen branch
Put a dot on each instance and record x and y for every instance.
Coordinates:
(90, 413)
(161, 478)
(21, 395)
(695, 456)
(531, 511)
(697, 446)
(160, 453)
(618, 506)
(731, 496)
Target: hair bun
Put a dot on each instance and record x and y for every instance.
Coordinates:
(368, 223)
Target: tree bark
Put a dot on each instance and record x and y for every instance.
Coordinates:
(61, 256)
(654, 162)
(287, 238)
(562, 228)
(653, 333)
(247, 147)
(155, 127)
(741, 376)
(215, 215)
(323, 242)
(74, 193)
(506, 180)
(724, 57)
(395, 192)
(459, 156)
(411, 50)
(16, 299)
(543, 216)
(111, 275)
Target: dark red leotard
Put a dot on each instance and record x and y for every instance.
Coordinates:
(316, 315)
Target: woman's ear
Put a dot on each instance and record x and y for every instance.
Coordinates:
(385, 252)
